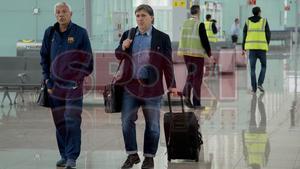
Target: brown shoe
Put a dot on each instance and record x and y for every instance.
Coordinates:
(130, 161)
(148, 163)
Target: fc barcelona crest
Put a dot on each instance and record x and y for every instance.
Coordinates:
(71, 40)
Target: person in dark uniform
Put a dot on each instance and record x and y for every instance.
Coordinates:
(66, 59)
(194, 46)
(211, 29)
(147, 56)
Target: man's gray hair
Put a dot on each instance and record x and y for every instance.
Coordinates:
(62, 4)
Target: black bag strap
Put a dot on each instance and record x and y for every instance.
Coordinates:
(130, 35)
(114, 77)
(49, 38)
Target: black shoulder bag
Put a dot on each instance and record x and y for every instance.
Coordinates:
(43, 98)
(113, 92)
(113, 95)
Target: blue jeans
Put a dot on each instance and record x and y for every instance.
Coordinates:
(253, 56)
(151, 111)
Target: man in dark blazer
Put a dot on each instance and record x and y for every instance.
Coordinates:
(147, 53)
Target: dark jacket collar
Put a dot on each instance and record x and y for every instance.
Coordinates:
(56, 27)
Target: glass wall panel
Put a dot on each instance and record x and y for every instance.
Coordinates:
(18, 21)
(109, 20)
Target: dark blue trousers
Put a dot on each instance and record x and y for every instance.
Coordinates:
(253, 56)
(66, 111)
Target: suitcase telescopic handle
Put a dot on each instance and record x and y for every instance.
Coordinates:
(170, 102)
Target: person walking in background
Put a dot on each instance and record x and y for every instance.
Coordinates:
(211, 29)
(194, 47)
(147, 57)
(256, 39)
(235, 31)
(66, 58)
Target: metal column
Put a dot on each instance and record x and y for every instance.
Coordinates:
(297, 22)
(88, 16)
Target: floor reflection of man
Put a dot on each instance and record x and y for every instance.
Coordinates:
(255, 140)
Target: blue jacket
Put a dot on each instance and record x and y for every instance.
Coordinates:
(66, 57)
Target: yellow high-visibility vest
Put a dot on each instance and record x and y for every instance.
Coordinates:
(190, 43)
(256, 147)
(256, 36)
(210, 34)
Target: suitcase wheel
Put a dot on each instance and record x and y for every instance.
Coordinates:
(197, 155)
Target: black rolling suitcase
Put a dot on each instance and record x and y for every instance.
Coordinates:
(182, 134)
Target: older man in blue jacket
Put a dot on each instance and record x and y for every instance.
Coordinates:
(66, 58)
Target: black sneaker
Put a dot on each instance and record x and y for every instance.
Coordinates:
(261, 88)
(188, 103)
(61, 163)
(130, 161)
(71, 164)
(148, 163)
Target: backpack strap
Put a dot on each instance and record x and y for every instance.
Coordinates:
(131, 33)
(50, 37)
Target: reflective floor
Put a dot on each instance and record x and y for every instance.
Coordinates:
(240, 131)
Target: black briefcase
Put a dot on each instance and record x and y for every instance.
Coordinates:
(182, 134)
(43, 98)
(113, 96)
